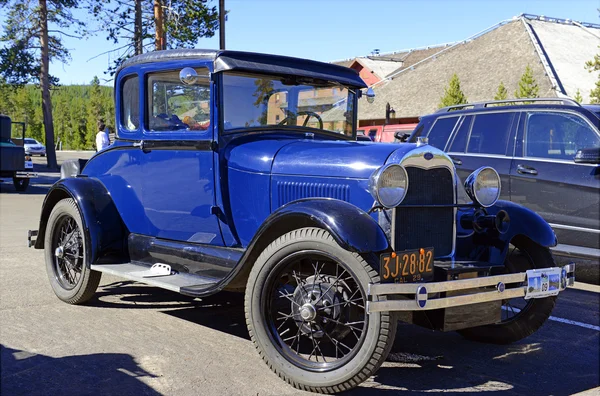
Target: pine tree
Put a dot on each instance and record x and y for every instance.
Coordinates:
(578, 98)
(501, 93)
(594, 66)
(95, 112)
(528, 87)
(453, 95)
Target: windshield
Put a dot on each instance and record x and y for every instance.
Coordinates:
(258, 101)
(30, 141)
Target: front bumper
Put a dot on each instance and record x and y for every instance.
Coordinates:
(25, 174)
(428, 296)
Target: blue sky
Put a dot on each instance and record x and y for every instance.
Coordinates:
(329, 30)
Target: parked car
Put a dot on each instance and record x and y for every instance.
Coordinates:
(547, 153)
(387, 133)
(227, 175)
(33, 147)
(14, 163)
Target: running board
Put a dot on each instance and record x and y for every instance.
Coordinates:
(174, 281)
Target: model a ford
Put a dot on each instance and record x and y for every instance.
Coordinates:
(242, 171)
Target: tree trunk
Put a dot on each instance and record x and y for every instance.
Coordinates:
(45, 85)
(158, 26)
(137, 31)
(222, 24)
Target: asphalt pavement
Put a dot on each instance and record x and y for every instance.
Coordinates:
(132, 339)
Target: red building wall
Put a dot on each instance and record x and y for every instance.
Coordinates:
(367, 76)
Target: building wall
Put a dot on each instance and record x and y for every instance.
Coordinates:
(367, 76)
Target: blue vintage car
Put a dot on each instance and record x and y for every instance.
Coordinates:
(242, 171)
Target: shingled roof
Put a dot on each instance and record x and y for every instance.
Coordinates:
(555, 49)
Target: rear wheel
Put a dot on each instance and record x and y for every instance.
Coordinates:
(519, 317)
(20, 183)
(306, 313)
(66, 261)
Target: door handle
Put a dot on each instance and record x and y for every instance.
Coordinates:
(457, 161)
(142, 145)
(526, 170)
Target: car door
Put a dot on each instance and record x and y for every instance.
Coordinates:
(545, 178)
(179, 185)
(484, 139)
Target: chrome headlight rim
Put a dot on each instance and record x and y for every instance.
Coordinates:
(471, 182)
(374, 185)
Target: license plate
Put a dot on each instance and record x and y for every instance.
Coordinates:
(407, 266)
(542, 283)
(28, 165)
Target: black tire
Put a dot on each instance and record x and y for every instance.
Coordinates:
(20, 184)
(70, 277)
(528, 315)
(368, 349)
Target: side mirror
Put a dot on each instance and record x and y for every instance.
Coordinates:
(402, 136)
(588, 156)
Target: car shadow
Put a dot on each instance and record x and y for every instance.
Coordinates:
(28, 373)
(421, 360)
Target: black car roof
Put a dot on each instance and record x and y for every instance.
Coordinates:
(254, 62)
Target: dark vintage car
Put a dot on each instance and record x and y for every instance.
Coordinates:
(14, 161)
(547, 153)
(242, 171)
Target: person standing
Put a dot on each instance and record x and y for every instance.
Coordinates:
(102, 141)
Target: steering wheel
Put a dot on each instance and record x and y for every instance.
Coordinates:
(307, 113)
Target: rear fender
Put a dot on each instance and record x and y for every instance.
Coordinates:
(106, 235)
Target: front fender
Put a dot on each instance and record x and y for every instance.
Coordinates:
(105, 233)
(352, 228)
(525, 222)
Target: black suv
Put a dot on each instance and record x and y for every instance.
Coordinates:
(547, 152)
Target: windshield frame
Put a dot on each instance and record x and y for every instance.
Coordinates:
(283, 128)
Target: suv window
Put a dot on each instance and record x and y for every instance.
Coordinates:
(557, 135)
(130, 108)
(459, 144)
(489, 134)
(440, 132)
(172, 105)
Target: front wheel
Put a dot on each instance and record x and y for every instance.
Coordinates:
(20, 183)
(66, 261)
(519, 317)
(306, 313)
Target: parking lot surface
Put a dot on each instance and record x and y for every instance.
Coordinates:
(132, 339)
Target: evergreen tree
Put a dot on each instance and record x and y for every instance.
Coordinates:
(594, 66)
(578, 97)
(453, 95)
(528, 87)
(95, 111)
(33, 37)
(501, 93)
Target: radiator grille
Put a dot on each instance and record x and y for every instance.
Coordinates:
(426, 227)
(291, 191)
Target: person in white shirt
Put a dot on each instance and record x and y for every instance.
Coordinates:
(102, 141)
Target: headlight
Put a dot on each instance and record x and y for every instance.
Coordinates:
(388, 185)
(483, 186)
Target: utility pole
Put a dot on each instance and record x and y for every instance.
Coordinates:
(222, 24)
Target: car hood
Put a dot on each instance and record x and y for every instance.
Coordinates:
(324, 158)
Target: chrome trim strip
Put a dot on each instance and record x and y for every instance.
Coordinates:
(574, 228)
(465, 286)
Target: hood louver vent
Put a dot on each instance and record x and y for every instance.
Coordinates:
(291, 191)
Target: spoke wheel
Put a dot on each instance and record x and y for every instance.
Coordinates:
(68, 252)
(65, 250)
(519, 318)
(315, 310)
(306, 312)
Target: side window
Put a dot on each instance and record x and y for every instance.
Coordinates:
(174, 106)
(557, 135)
(489, 134)
(440, 132)
(130, 103)
(459, 144)
(372, 133)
